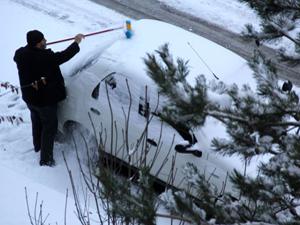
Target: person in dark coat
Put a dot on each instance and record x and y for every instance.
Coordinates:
(42, 87)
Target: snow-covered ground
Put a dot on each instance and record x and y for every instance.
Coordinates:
(231, 15)
(57, 19)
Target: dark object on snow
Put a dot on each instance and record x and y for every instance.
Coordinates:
(257, 42)
(111, 81)
(144, 108)
(287, 86)
(184, 131)
(184, 149)
(152, 142)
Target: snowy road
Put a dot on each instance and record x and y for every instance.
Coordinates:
(156, 10)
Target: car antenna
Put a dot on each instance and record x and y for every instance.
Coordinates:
(202, 60)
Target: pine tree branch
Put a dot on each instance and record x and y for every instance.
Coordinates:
(280, 124)
(173, 217)
(271, 7)
(283, 32)
(221, 116)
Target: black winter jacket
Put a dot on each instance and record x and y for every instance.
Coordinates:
(33, 64)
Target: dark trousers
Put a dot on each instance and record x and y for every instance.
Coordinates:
(44, 128)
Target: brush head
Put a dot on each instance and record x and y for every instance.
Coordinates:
(128, 34)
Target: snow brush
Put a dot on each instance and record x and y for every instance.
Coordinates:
(128, 33)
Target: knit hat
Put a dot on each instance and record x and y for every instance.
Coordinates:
(34, 37)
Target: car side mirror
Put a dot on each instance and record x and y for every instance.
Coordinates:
(185, 149)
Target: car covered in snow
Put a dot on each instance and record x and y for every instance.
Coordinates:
(111, 95)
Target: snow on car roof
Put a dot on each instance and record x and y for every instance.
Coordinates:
(149, 35)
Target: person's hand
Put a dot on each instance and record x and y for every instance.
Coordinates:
(78, 38)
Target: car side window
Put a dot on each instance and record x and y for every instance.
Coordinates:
(95, 93)
(109, 79)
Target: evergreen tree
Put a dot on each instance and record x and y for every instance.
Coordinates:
(279, 19)
(128, 203)
(265, 121)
